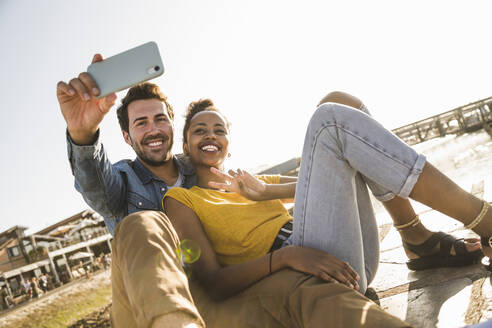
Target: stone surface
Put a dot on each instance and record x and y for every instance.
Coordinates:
(443, 305)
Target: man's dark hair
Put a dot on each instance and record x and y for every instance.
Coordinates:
(141, 91)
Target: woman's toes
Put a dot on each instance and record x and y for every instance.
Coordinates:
(471, 247)
(470, 244)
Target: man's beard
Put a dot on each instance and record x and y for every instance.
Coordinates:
(148, 160)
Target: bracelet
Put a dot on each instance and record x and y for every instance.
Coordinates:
(415, 221)
(271, 255)
(479, 217)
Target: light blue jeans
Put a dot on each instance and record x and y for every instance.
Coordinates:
(345, 150)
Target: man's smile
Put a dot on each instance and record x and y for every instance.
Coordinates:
(155, 144)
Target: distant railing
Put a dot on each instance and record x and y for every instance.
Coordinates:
(457, 121)
(76, 239)
(464, 119)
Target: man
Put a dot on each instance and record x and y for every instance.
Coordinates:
(149, 285)
(146, 120)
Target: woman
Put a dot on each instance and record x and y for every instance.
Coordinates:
(334, 233)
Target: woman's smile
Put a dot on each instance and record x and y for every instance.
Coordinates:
(210, 147)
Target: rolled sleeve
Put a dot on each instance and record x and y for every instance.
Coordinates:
(99, 183)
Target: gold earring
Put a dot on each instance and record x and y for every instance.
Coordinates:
(229, 155)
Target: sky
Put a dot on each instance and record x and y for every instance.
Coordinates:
(265, 64)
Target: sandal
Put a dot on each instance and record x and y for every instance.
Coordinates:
(443, 258)
(486, 241)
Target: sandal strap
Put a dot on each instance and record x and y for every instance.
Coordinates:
(445, 241)
(486, 241)
(448, 241)
(427, 246)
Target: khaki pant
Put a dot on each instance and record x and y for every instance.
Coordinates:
(148, 283)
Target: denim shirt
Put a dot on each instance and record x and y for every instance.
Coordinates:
(116, 190)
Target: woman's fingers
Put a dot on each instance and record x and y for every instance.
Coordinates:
(344, 266)
(344, 279)
(326, 277)
(248, 177)
(348, 278)
(219, 185)
(350, 271)
(335, 273)
(340, 270)
(341, 275)
(323, 265)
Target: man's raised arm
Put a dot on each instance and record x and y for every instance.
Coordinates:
(95, 178)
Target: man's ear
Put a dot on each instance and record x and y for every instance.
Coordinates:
(185, 148)
(127, 138)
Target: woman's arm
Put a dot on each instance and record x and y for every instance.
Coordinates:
(287, 179)
(222, 282)
(291, 192)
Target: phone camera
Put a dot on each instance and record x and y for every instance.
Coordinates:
(153, 69)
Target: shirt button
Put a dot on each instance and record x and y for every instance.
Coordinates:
(163, 189)
(139, 203)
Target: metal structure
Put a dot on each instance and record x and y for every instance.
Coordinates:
(463, 119)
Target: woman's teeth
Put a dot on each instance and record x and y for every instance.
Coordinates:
(210, 148)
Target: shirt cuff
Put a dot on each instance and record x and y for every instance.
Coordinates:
(70, 141)
(78, 152)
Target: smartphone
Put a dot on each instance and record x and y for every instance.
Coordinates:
(127, 69)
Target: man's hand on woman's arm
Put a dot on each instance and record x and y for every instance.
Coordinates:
(222, 282)
(81, 110)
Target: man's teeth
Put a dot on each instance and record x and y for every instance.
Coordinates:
(155, 143)
(210, 148)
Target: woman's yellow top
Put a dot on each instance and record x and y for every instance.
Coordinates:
(239, 229)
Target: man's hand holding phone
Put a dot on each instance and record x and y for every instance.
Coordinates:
(87, 98)
(82, 111)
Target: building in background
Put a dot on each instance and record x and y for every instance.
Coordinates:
(55, 250)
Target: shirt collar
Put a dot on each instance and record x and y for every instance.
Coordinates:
(182, 163)
(142, 172)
